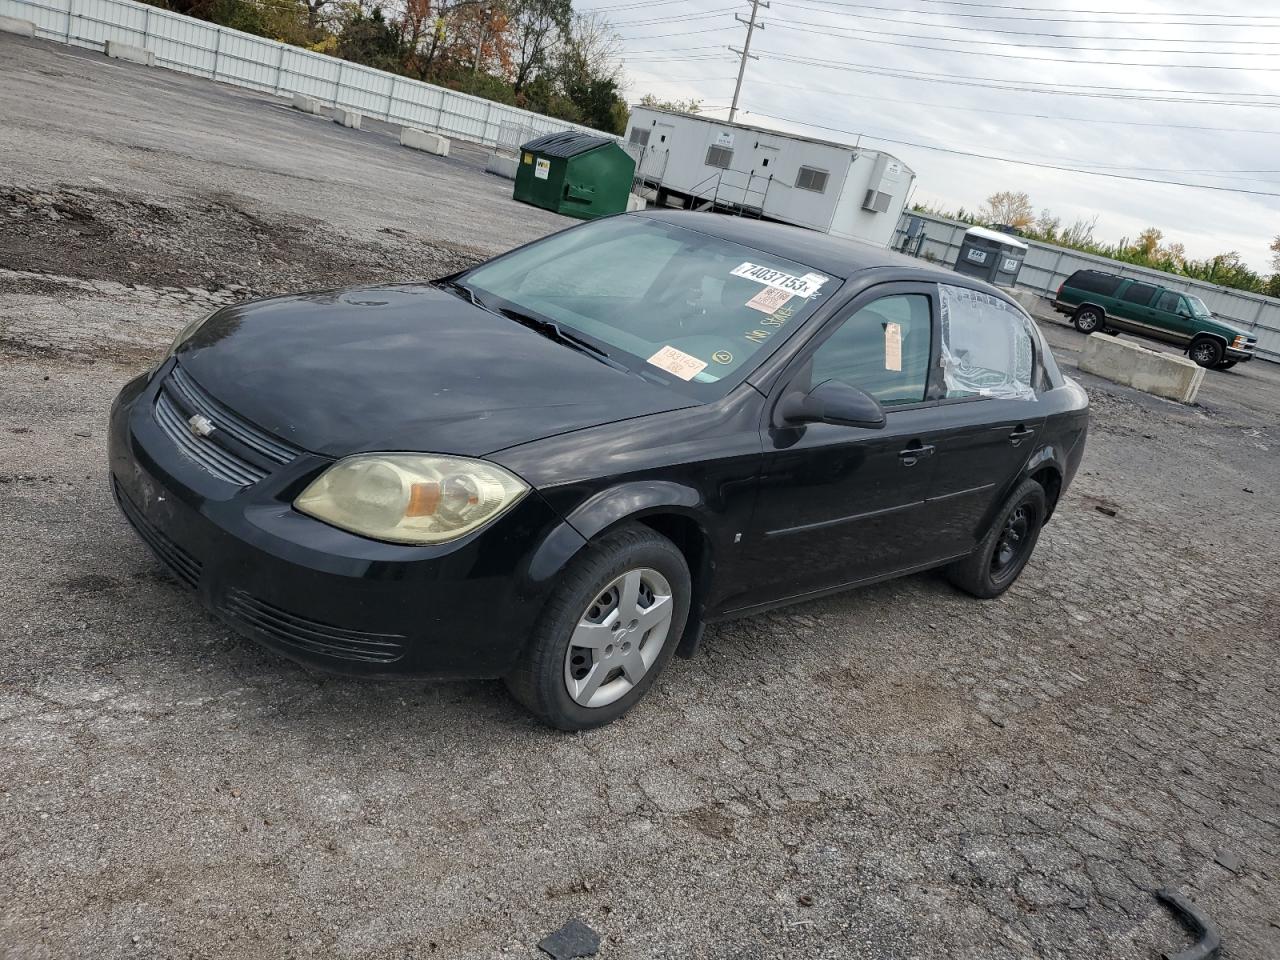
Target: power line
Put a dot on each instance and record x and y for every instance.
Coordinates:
(801, 5)
(997, 16)
(1012, 113)
(1027, 163)
(1034, 86)
(1037, 58)
(1109, 13)
(666, 20)
(827, 28)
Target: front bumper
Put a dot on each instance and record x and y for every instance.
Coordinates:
(318, 594)
(1239, 356)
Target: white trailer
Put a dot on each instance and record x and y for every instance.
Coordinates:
(706, 164)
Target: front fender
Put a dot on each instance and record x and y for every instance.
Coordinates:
(633, 499)
(604, 510)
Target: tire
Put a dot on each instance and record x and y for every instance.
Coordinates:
(983, 573)
(1088, 320)
(1206, 352)
(613, 576)
(1226, 364)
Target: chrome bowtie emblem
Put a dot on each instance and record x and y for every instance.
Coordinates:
(200, 425)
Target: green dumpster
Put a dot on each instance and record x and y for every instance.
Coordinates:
(576, 174)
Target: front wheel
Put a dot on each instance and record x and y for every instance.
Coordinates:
(1207, 352)
(1088, 319)
(609, 628)
(1003, 553)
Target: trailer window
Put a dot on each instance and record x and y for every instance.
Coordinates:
(811, 178)
(639, 136)
(720, 157)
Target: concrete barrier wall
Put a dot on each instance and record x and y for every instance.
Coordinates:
(1047, 266)
(229, 56)
(1152, 371)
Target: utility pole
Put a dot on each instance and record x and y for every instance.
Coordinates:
(745, 52)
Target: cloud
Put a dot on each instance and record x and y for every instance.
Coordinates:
(1147, 136)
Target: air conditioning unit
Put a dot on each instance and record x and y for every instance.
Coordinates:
(885, 182)
(876, 202)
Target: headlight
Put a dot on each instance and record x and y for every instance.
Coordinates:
(187, 332)
(410, 497)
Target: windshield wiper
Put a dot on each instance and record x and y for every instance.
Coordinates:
(549, 328)
(459, 287)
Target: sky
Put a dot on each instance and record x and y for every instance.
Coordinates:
(1178, 93)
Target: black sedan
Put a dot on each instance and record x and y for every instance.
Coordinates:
(557, 466)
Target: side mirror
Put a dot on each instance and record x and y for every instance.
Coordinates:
(833, 402)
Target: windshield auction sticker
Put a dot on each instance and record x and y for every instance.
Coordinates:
(678, 363)
(893, 346)
(805, 286)
(769, 299)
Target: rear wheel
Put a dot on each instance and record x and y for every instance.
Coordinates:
(1088, 319)
(1003, 553)
(1207, 352)
(610, 627)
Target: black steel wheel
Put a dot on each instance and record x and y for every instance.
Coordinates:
(1003, 553)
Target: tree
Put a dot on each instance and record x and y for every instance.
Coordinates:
(589, 69)
(1047, 225)
(536, 26)
(1149, 242)
(1009, 209)
(679, 106)
(1275, 254)
(366, 37)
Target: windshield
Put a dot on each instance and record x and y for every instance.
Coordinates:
(672, 304)
(1197, 306)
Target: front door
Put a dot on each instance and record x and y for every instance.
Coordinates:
(839, 505)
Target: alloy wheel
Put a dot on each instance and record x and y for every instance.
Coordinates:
(1203, 352)
(618, 638)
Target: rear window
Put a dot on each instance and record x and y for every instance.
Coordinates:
(1139, 293)
(1091, 281)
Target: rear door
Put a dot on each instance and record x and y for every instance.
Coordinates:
(988, 415)
(838, 505)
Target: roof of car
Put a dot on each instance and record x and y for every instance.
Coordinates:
(832, 255)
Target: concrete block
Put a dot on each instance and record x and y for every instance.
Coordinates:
(125, 51)
(421, 140)
(23, 28)
(306, 104)
(635, 202)
(1151, 371)
(502, 165)
(348, 118)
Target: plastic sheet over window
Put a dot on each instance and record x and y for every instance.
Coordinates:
(986, 346)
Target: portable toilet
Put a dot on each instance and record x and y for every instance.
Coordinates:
(993, 256)
(576, 174)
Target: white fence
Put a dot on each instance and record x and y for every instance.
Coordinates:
(220, 53)
(1047, 266)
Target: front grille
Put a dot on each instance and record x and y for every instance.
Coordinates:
(235, 451)
(312, 636)
(180, 563)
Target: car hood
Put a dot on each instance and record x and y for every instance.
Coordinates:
(406, 367)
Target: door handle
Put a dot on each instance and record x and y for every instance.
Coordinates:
(1020, 434)
(912, 454)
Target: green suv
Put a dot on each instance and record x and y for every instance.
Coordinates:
(1105, 302)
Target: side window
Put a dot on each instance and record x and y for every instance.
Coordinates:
(1139, 293)
(1168, 302)
(987, 346)
(883, 349)
(720, 157)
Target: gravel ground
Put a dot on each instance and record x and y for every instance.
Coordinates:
(896, 772)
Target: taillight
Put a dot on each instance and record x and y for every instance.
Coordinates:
(1060, 286)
